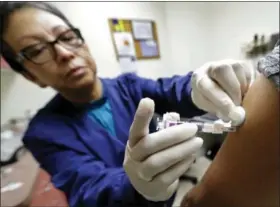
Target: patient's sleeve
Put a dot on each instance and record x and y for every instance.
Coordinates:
(245, 172)
(269, 66)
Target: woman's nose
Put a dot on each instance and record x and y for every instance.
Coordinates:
(62, 53)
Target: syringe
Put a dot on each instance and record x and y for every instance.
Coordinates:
(214, 127)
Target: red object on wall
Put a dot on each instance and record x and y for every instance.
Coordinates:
(4, 64)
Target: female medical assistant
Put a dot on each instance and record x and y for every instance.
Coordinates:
(83, 147)
(80, 137)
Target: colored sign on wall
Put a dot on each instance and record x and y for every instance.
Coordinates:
(118, 25)
(4, 64)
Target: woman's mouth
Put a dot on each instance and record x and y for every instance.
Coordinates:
(76, 72)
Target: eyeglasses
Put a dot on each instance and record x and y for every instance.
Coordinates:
(43, 52)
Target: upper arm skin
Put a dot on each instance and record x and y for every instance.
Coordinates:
(245, 172)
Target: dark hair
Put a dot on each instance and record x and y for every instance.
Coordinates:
(6, 9)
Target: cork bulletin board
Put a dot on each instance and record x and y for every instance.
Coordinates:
(135, 38)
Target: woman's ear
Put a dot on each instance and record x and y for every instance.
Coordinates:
(33, 79)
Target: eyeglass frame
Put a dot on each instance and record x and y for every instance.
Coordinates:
(21, 56)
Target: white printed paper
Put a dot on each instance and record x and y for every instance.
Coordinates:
(142, 30)
(127, 64)
(149, 48)
(124, 43)
(151, 43)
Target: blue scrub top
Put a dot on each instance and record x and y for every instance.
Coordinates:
(101, 112)
(82, 148)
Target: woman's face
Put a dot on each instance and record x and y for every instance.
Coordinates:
(65, 65)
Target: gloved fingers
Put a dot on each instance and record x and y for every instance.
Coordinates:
(250, 73)
(164, 194)
(142, 119)
(222, 117)
(240, 72)
(130, 165)
(172, 188)
(162, 139)
(174, 172)
(216, 95)
(224, 75)
(164, 159)
(203, 102)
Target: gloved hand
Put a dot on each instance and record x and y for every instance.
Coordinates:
(219, 87)
(154, 162)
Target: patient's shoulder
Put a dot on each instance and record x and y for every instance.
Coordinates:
(248, 158)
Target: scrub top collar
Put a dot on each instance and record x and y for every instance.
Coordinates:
(95, 103)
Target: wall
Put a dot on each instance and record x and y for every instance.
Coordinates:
(19, 95)
(92, 19)
(206, 31)
(187, 24)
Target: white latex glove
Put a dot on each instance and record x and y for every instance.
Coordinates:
(219, 87)
(154, 162)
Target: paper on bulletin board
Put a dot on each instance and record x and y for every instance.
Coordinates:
(118, 25)
(142, 30)
(149, 48)
(128, 64)
(124, 44)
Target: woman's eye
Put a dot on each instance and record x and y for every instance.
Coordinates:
(34, 52)
(68, 37)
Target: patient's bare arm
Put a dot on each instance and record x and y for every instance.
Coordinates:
(245, 172)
